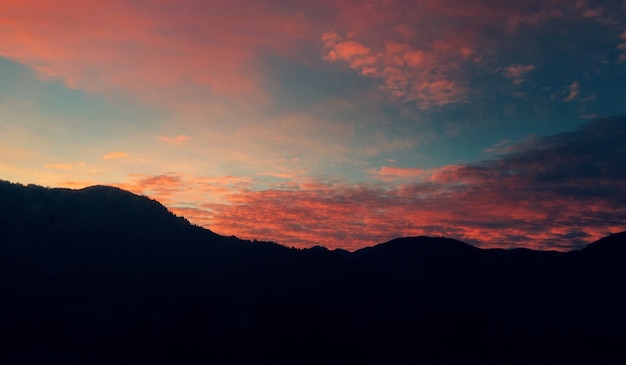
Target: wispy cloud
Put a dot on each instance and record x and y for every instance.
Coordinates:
(622, 47)
(59, 166)
(115, 155)
(501, 147)
(517, 72)
(574, 90)
(175, 139)
(392, 173)
(592, 13)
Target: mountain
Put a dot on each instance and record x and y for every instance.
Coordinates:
(101, 275)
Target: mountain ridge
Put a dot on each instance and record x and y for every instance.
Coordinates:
(112, 194)
(104, 275)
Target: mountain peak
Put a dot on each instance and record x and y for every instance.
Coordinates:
(421, 244)
(614, 245)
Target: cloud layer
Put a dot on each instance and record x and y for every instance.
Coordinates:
(555, 192)
(420, 51)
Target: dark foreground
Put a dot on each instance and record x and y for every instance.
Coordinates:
(101, 276)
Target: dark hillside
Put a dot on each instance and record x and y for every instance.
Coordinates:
(100, 275)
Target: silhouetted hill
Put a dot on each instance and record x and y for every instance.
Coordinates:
(101, 275)
(611, 246)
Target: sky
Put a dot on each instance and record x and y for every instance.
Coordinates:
(339, 123)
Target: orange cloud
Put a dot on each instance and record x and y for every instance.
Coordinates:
(389, 172)
(114, 155)
(178, 191)
(59, 166)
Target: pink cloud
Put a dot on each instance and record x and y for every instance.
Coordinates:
(423, 51)
(537, 194)
(470, 204)
(574, 90)
(174, 140)
(353, 217)
(517, 72)
(622, 48)
(407, 73)
(347, 51)
(178, 191)
(165, 50)
(148, 47)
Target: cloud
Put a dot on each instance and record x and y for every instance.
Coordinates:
(622, 48)
(501, 147)
(592, 13)
(419, 51)
(147, 48)
(174, 140)
(431, 52)
(285, 173)
(349, 51)
(517, 72)
(407, 73)
(574, 90)
(59, 166)
(115, 155)
(390, 173)
(380, 144)
(554, 192)
(178, 190)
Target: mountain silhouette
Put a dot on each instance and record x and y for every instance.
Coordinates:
(101, 275)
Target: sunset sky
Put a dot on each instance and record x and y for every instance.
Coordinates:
(335, 123)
